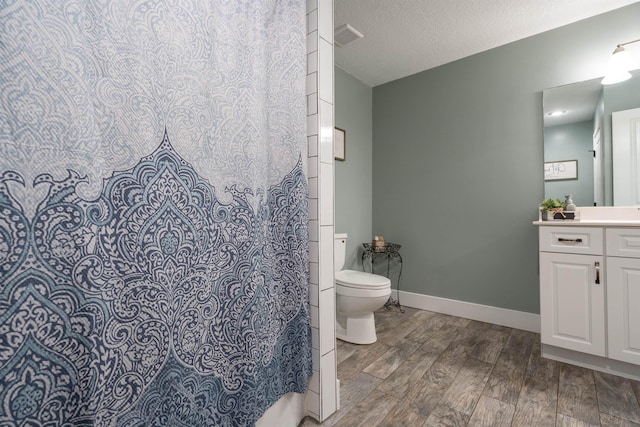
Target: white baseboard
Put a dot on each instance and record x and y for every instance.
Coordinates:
(483, 313)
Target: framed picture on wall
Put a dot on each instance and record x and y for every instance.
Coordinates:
(565, 169)
(339, 144)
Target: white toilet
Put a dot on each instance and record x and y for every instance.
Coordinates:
(358, 295)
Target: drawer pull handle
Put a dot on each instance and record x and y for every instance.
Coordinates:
(562, 239)
(597, 273)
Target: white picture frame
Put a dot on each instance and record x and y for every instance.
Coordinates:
(560, 170)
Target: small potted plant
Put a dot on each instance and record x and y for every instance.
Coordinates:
(551, 207)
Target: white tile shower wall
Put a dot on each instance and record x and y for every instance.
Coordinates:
(325, 80)
(325, 252)
(326, 324)
(326, 133)
(312, 163)
(322, 394)
(312, 63)
(313, 189)
(312, 124)
(313, 233)
(315, 338)
(312, 5)
(312, 103)
(312, 21)
(314, 295)
(314, 275)
(313, 215)
(312, 143)
(326, 198)
(312, 42)
(325, 17)
(327, 377)
(313, 401)
(315, 318)
(314, 384)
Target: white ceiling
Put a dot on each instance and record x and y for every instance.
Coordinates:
(404, 37)
(578, 100)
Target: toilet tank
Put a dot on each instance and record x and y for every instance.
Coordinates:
(339, 250)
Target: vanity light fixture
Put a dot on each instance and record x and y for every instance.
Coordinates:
(619, 65)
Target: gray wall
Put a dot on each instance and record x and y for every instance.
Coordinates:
(458, 153)
(353, 184)
(571, 142)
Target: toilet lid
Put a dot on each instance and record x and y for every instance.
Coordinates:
(361, 280)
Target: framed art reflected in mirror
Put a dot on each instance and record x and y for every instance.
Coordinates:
(566, 169)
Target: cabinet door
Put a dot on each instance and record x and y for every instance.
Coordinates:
(623, 308)
(572, 302)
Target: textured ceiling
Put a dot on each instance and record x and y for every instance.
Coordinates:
(579, 100)
(404, 37)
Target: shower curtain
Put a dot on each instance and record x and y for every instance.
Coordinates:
(153, 211)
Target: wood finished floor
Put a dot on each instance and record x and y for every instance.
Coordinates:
(430, 369)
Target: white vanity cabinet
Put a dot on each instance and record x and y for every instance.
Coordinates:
(572, 291)
(590, 289)
(623, 293)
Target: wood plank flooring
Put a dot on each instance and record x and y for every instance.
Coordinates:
(430, 369)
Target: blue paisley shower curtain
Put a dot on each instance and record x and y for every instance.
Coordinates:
(153, 211)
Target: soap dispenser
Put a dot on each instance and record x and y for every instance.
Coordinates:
(569, 202)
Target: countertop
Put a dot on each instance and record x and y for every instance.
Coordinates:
(589, 223)
(599, 216)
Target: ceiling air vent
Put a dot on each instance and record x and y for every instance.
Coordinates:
(345, 34)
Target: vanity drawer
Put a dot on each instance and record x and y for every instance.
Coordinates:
(572, 240)
(624, 242)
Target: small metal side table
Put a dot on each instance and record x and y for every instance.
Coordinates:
(391, 252)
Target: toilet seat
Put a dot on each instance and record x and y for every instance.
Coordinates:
(361, 280)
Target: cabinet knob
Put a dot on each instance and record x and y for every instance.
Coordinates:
(597, 272)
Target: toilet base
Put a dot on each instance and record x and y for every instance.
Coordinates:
(356, 329)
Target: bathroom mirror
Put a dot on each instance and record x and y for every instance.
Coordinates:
(577, 126)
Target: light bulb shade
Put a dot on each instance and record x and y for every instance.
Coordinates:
(612, 78)
(618, 67)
